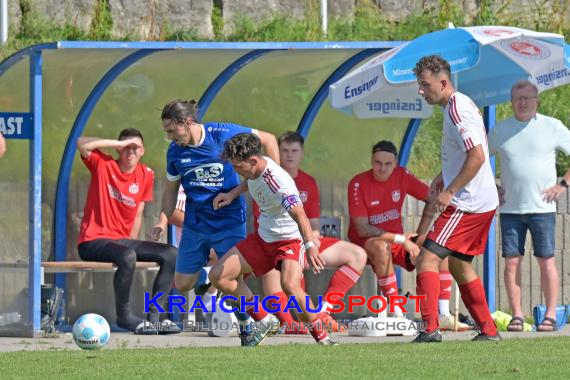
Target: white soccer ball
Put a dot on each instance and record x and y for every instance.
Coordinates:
(91, 332)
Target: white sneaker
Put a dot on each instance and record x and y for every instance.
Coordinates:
(447, 323)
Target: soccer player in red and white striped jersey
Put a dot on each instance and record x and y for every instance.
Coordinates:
(283, 241)
(467, 199)
(349, 258)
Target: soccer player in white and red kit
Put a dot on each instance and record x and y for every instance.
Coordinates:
(467, 199)
(348, 258)
(375, 200)
(283, 241)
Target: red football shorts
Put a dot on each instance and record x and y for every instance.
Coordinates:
(262, 256)
(462, 232)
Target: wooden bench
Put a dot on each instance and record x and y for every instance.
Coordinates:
(75, 266)
(91, 266)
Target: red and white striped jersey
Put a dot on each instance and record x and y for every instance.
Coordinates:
(275, 193)
(463, 129)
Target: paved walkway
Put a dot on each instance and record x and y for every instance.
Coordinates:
(64, 341)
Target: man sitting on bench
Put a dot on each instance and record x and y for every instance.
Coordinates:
(112, 221)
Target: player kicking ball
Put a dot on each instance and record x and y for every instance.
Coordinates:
(277, 244)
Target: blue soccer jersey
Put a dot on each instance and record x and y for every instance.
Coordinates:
(203, 174)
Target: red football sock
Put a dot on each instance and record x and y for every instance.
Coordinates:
(428, 285)
(342, 280)
(316, 328)
(256, 315)
(473, 295)
(388, 285)
(445, 282)
(284, 317)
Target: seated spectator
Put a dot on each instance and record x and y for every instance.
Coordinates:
(112, 222)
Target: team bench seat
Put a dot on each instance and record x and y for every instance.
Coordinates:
(91, 266)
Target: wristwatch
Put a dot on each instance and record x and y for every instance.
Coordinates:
(563, 183)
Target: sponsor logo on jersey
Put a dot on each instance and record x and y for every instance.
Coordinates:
(116, 194)
(384, 217)
(260, 198)
(374, 203)
(207, 173)
(304, 196)
(134, 188)
(396, 195)
(186, 160)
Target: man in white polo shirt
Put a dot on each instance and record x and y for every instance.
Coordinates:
(526, 145)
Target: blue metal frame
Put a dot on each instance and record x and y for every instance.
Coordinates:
(490, 256)
(227, 45)
(322, 93)
(19, 55)
(35, 196)
(408, 141)
(62, 193)
(146, 48)
(403, 158)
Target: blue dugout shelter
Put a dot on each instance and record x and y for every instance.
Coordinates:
(50, 94)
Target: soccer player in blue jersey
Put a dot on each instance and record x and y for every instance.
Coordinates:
(194, 160)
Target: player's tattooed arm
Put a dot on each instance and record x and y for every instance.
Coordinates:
(365, 229)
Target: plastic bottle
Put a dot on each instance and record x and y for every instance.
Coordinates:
(333, 231)
(61, 318)
(10, 318)
(325, 230)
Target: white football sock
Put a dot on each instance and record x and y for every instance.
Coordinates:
(444, 308)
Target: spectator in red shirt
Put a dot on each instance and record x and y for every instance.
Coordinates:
(112, 221)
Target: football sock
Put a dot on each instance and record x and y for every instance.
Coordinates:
(316, 328)
(445, 284)
(342, 281)
(284, 317)
(256, 315)
(473, 295)
(428, 285)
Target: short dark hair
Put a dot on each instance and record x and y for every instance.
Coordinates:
(242, 147)
(291, 137)
(433, 63)
(385, 146)
(178, 110)
(130, 132)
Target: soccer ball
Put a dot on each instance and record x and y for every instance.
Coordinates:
(91, 332)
